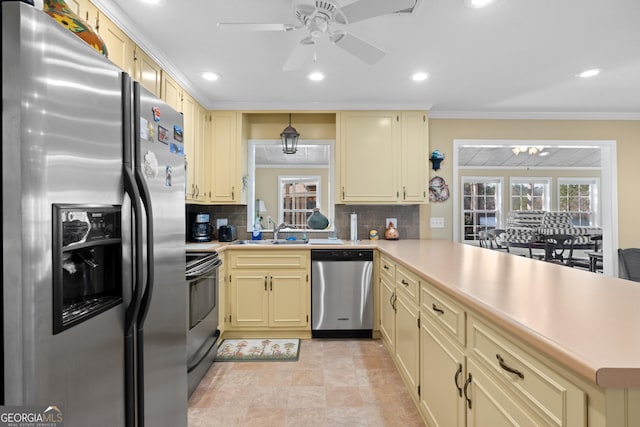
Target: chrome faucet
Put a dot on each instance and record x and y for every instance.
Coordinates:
(276, 230)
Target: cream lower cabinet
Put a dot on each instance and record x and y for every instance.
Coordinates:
(269, 290)
(471, 375)
(407, 349)
(387, 292)
(399, 320)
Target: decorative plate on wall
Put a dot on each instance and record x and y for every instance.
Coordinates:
(438, 190)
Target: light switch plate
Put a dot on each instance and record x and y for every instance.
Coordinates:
(391, 220)
(436, 222)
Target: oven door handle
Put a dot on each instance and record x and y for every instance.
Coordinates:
(204, 268)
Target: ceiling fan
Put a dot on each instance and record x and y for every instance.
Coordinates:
(319, 19)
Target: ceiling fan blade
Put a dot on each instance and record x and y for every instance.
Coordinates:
(357, 47)
(300, 54)
(246, 26)
(365, 9)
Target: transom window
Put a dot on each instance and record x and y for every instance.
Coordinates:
(579, 196)
(530, 194)
(481, 201)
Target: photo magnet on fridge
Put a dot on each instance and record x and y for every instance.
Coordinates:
(177, 133)
(163, 135)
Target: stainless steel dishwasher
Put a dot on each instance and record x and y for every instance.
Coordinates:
(341, 293)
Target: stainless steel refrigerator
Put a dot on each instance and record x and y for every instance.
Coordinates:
(94, 295)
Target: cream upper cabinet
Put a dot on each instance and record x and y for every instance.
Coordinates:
(194, 139)
(269, 290)
(368, 156)
(86, 11)
(382, 156)
(222, 158)
(171, 92)
(120, 47)
(147, 72)
(413, 156)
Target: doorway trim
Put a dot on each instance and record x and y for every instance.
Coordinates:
(608, 190)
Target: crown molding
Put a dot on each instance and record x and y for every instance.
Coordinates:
(504, 115)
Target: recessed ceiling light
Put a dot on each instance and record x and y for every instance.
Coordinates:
(212, 77)
(315, 76)
(420, 76)
(589, 73)
(153, 2)
(477, 4)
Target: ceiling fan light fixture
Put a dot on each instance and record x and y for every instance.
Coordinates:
(419, 76)
(315, 76)
(477, 4)
(289, 138)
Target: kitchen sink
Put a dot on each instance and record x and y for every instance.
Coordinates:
(271, 242)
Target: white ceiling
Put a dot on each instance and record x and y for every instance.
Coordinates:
(516, 58)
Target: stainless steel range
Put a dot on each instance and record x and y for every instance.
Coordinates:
(203, 333)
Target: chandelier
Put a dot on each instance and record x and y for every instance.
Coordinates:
(525, 149)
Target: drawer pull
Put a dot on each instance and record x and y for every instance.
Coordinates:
(437, 309)
(404, 282)
(466, 386)
(386, 267)
(509, 368)
(455, 379)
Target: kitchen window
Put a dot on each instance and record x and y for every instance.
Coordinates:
(579, 197)
(481, 201)
(530, 194)
(298, 196)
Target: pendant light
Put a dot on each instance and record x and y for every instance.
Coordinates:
(289, 139)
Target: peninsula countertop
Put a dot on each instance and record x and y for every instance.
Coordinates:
(585, 321)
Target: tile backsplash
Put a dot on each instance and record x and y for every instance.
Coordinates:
(370, 217)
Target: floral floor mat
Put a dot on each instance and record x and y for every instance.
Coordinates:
(261, 349)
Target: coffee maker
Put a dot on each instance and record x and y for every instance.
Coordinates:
(199, 228)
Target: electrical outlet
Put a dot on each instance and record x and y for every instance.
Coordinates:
(220, 222)
(436, 222)
(392, 220)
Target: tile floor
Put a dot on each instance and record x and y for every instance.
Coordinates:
(334, 383)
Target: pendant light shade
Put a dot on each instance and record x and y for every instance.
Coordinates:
(289, 138)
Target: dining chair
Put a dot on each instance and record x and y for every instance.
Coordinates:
(629, 264)
(497, 239)
(483, 239)
(558, 248)
(589, 262)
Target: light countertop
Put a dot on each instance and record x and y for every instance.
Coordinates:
(585, 321)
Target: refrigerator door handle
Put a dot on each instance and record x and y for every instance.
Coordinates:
(145, 197)
(131, 189)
